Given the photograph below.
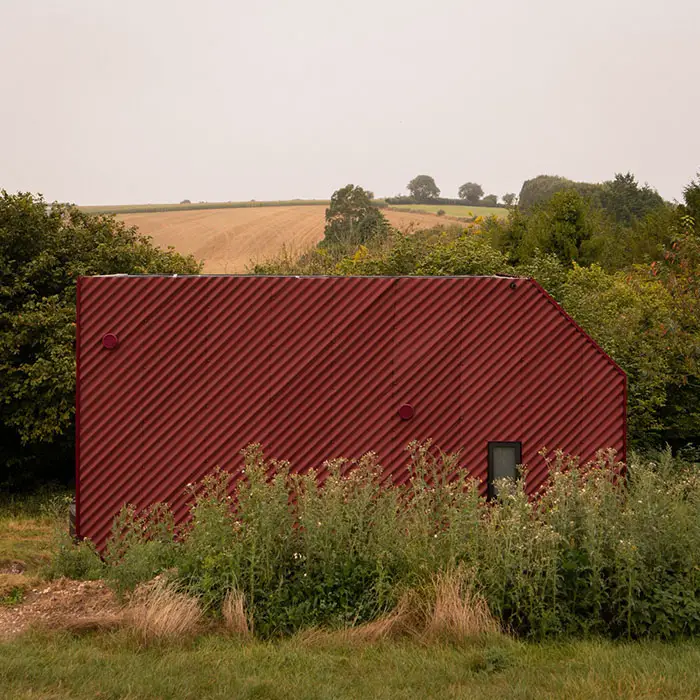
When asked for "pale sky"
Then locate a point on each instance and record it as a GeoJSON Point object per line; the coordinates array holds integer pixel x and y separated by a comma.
{"type": "Point", "coordinates": [126, 101]}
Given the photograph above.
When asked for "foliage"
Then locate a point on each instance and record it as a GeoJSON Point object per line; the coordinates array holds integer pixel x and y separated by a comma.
{"type": "Point", "coordinates": [490, 200]}
{"type": "Point", "coordinates": [621, 199]}
{"type": "Point", "coordinates": [560, 227]}
{"type": "Point", "coordinates": [471, 192]}
{"type": "Point", "coordinates": [77, 560]}
{"type": "Point", "coordinates": [574, 227]}
{"type": "Point", "coordinates": [43, 250]}
{"type": "Point", "coordinates": [691, 202]}
{"type": "Point", "coordinates": [679, 273]}
{"type": "Point", "coordinates": [540, 189]}
{"type": "Point", "coordinates": [592, 554]}
{"type": "Point", "coordinates": [509, 198]}
{"type": "Point", "coordinates": [626, 201]}
{"type": "Point", "coordinates": [352, 220]}
{"type": "Point", "coordinates": [451, 251]}
{"type": "Point", "coordinates": [423, 188]}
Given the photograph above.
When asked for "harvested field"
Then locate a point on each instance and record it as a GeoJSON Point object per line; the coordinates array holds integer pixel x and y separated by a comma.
{"type": "Point", "coordinates": [231, 240]}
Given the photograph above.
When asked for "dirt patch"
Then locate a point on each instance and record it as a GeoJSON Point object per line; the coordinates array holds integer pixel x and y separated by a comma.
{"type": "Point", "coordinates": [8, 566]}
{"type": "Point", "coordinates": [62, 604]}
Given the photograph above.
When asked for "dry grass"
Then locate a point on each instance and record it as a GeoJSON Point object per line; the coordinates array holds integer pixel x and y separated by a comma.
{"type": "Point", "coordinates": [446, 610]}
{"type": "Point", "coordinates": [159, 612]}
{"type": "Point", "coordinates": [400, 622]}
{"type": "Point", "coordinates": [456, 612]}
{"type": "Point", "coordinates": [236, 620]}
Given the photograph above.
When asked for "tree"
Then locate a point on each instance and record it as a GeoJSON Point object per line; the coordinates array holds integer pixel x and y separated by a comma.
{"type": "Point", "coordinates": [628, 314]}
{"type": "Point", "coordinates": [490, 200]}
{"type": "Point", "coordinates": [540, 189]}
{"type": "Point", "coordinates": [423, 187]}
{"type": "Point", "coordinates": [691, 201]}
{"type": "Point", "coordinates": [626, 201]}
{"type": "Point", "coordinates": [43, 249]}
{"type": "Point", "coordinates": [509, 199]}
{"type": "Point", "coordinates": [352, 220]}
{"type": "Point", "coordinates": [679, 272]}
{"type": "Point", "coordinates": [471, 192]}
{"type": "Point", "coordinates": [560, 227]}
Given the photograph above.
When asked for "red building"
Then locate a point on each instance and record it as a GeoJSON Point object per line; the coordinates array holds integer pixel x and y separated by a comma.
{"type": "Point", "coordinates": [177, 374]}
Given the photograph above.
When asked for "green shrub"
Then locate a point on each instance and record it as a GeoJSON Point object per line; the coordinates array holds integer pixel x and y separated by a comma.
{"type": "Point", "coordinates": [76, 560]}
{"type": "Point", "coordinates": [598, 551]}
{"type": "Point", "coordinates": [141, 546]}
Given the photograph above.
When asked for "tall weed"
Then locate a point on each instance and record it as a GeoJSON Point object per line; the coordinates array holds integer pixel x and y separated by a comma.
{"type": "Point", "coordinates": [598, 551]}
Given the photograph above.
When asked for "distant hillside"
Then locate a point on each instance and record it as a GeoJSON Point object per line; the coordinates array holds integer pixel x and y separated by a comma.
{"type": "Point", "coordinates": [227, 239]}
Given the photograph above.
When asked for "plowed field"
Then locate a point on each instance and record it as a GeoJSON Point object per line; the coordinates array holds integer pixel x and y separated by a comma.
{"type": "Point", "coordinates": [231, 240]}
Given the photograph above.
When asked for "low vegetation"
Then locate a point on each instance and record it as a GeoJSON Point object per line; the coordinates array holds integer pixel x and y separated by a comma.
{"type": "Point", "coordinates": [115, 666]}
{"type": "Point", "coordinates": [28, 534]}
{"type": "Point", "coordinates": [596, 553]}
{"type": "Point", "coordinates": [157, 611]}
{"type": "Point", "coordinates": [439, 640]}
{"type": "Point", "coordinates": [458, 211]}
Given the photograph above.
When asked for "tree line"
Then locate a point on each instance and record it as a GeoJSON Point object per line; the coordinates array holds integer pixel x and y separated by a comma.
{"type": "Point", "coordinates": [624, 263]}
{"type": "Point", "coordinates": [423, 190]}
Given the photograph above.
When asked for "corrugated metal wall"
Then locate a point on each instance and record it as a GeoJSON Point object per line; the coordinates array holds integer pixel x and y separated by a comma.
{"type": "Point", "coordinates": [315, 368]}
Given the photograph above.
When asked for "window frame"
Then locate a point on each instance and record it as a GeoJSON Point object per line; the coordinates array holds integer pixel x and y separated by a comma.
{"type": "Point", "coordinates": [519, 457]}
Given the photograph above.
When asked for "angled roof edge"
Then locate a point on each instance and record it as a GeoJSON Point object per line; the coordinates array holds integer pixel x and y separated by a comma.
{"type": "Point", "coordinates": [578, 328]}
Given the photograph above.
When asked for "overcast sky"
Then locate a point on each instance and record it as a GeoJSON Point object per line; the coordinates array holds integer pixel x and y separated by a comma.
{"type": "Point", "coordinates": [126, 101]}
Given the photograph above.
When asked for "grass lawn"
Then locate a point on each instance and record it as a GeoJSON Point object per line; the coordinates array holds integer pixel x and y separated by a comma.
{"type": "Point", "coordinates": [27, 527]}
{"type": "Point", "coordinates": [111, 665]}
{"type": "Point", "coordinates": [454, 210]}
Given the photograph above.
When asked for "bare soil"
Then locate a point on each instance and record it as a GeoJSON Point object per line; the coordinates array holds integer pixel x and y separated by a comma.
{"type": "Point", "coordinates": [62, 604]}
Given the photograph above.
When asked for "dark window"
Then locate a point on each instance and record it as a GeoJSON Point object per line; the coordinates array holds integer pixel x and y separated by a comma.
{"type": "Point", "coordinates": [504, 458]}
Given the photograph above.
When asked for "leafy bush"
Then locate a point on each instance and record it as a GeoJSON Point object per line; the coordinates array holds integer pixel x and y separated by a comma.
{"type": "Point", "coordinates": [76, 560]}
{"type": "Point", "coordinates": [141, 545]}
{"type": "Point", "coordinates": [599, 551]}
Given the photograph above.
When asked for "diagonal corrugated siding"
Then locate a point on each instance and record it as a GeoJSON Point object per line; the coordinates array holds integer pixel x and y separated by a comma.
{"type": "Point", "coordinates": [315, 368]}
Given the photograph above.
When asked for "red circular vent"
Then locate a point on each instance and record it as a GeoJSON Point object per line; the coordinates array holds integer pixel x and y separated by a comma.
{"type": "Point", "coordinates": [406, 411]}
{"type": "Point", "coordinates": [110, 341]}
